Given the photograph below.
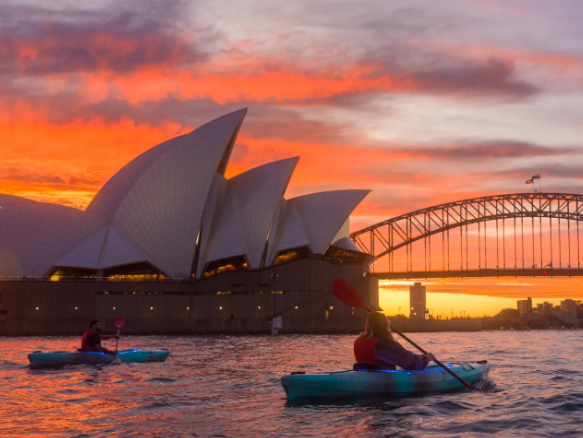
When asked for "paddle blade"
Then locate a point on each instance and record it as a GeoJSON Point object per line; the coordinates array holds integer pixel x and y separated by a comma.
{"type": "Point", "coordinates": [120, 321]}
{"type": "Point", "coordinates": [347, 294]}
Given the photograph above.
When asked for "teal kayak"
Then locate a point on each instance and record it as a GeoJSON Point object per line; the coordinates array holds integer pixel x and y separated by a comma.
{"type": "Point", "coordinates": [378, 382]}
{"type": "Point", "coordinates": [60, 358]}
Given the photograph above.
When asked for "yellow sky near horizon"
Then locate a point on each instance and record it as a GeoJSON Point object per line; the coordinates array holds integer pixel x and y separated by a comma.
{"type": "Point", "coordinates": [479, 297]}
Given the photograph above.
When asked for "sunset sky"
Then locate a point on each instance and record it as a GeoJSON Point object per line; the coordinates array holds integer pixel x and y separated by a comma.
{"type": "Point", "coordinates": [422, 102]}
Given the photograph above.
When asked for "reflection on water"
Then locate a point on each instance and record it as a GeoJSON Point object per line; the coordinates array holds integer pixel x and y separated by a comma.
{"type": "Point", "coordinates": [229, 386]}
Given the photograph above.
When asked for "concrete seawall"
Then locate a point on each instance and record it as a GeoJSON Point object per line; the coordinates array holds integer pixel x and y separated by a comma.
{"type": "Point", "coordinates": [236, 326]}
{"type": "Point", "coordinates": [67, 327]}
{"type": "Point", "coordinates": [229, 303]}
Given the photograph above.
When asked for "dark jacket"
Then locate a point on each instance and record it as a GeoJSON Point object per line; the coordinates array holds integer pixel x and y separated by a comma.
{"type": "Point", "coordinates": [391, 354]}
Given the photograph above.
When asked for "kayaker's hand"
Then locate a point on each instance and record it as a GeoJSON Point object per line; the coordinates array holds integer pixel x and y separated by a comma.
{"type": "Point", "coordinates": [430, 356]}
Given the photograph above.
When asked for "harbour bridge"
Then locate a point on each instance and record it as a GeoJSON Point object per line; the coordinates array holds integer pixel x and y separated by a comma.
{"type": "Point", "coordinates": [514, 235]}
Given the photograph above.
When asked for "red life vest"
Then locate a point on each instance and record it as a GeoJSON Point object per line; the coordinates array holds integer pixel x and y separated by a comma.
{"type": "Point", "coordinates": [84, 345]}
{"type": "Point", "coordinates": [364, 350]}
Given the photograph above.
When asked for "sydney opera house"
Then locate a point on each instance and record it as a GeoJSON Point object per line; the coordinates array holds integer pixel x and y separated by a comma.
{"type": "Point", "coordinates": [176, 247]}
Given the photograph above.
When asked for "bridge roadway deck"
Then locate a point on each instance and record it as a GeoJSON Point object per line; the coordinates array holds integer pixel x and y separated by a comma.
{"type": "Point", "coordinates": [479, 273]}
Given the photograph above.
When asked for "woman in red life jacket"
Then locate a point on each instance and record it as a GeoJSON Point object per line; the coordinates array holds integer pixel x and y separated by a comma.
{"type": "Point", "coordinates": [91, 340]}
{"type": "Point", "coordinates": [376, 345]}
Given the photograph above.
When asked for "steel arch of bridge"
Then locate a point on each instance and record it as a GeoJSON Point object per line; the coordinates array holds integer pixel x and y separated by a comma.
{"type": "Point", "coordinates": [384, 238]}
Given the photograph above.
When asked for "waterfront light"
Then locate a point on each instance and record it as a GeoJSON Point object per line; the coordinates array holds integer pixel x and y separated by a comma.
{"type": "Point", "coordinates": [220, 307]}
{"type": "Point", "coordinates": [37, 308]}
{"type": "Point", "coordinates": [297, 307]}
{"type": "Point", "coordinates": [259, 307]}
{"type": "Point", "coordinates": [114, 308]}
{"type": "Point", "coordinates": [151, 308]}
{"type": "Point", "coordinates": [75, 308]}
{"type": "Point", "coordinates": [188, 308]}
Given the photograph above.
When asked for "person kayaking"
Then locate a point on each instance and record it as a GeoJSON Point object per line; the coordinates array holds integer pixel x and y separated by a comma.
{"type": "Point", "coordinates": [91, 340]}
{"type": "Point", "coordinates": [376, 345]}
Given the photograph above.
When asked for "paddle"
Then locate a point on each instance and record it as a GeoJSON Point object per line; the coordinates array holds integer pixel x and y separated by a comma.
{"type": "Point", "coordinates": [349, 295]}
{"type": "Point", "coordinates": [119, 322]}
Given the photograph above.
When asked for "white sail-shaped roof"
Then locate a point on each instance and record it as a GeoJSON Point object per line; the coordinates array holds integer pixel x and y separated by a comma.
{"type": "Point", "coordinates": [210, 136]}
{"type": "Point", "coordinates": [346, 243]}
{"type": "Point", "coordinates": [343, 231]}
{"type": "Point", "coordinates": [251, 206]}
{"type": "Point", "coordinates": [163, 209]}
{"type": "Point", "coordinates": [291, 233]}
{"type": "Point", "coordinates": [319, 216]}
{"type": "Point", "coordinates": [104, 249]}
{"type": "Point", "coordinates": [156, 202]}
{"type": "Point", "coordinates": [226, 238]}
{"type": "Point", "coordinates": [10, 266]}
{"type": "Point", "coordinates": [34, 234]}
{"type": "Point", "coordinates": [210, 215]}
{"type": "Point", "coordinates": [117, 251]}
{"type": "Point", "coordinates": [86, 254]}
{"type": "Point", "coordinates": [276, 228]}
{"type": "Point", "coordinates": [172, 208]}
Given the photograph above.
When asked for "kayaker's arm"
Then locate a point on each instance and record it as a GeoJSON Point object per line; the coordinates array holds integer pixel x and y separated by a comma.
{"type": "Point", "coordinates": [95, 342]}
{"type": "Point", "coordinates": [106, 337]}
{"type": "Point", "coordinates": [101, 348]}
{"type": "Point", "coordinates": [390, 352]}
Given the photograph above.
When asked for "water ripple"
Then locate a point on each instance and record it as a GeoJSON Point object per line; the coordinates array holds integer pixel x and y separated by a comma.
{"type": "Point", "coordinates": [229, 386]}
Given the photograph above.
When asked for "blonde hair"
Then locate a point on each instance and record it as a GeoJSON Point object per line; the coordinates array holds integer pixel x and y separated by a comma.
{"type": "Point", "coordinates": [377, 326]}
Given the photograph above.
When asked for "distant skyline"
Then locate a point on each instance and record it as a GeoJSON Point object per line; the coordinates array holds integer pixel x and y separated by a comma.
{"type": "Point", "coordinates": [422, 102]}
{"type": "Point", "coordinates": [479, 296]}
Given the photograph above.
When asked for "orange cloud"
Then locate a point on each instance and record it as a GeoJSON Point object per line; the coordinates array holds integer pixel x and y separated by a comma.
{"type": "Point", "coordinates": [69, 162]}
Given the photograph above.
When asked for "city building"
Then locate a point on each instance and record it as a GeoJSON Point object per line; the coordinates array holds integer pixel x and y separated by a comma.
{"type": "Point", "coordinates": [524, 307]}
{"type": "Point", "coordinates": [544, 307]}
{"type": "Point", "coordinates": [417, 301]}
{"type": "Point", "coordinates": [170, 224]}
{"type": "Point", "coordinates": [569, 311]}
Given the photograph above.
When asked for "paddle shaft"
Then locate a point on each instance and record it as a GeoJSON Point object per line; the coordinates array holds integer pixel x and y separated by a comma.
{"type": "Point", "coordinates": [462, 381]}
{"type": "Point", "coordinates": [116, 343]}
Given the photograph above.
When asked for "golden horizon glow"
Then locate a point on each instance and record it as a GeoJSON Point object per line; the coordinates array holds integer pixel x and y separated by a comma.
{"type": "Point", "coordinates": [480, 297]}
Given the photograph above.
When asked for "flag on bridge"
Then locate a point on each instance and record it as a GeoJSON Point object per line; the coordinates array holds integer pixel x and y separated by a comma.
{"type": "Point", "coordinates": [530, 181]}
{"type": "Point", "coordinates": [535, 177]}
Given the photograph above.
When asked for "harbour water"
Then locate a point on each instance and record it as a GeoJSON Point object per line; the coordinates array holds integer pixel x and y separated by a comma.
{"type": "Point", "coordinates": [223, 386]}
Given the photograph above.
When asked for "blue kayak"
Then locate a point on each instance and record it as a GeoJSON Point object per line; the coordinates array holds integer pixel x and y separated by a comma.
{"type": "Point", "coordinates": [379, 382]}
{"type": "Point", "coordinates": [60, 358]}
